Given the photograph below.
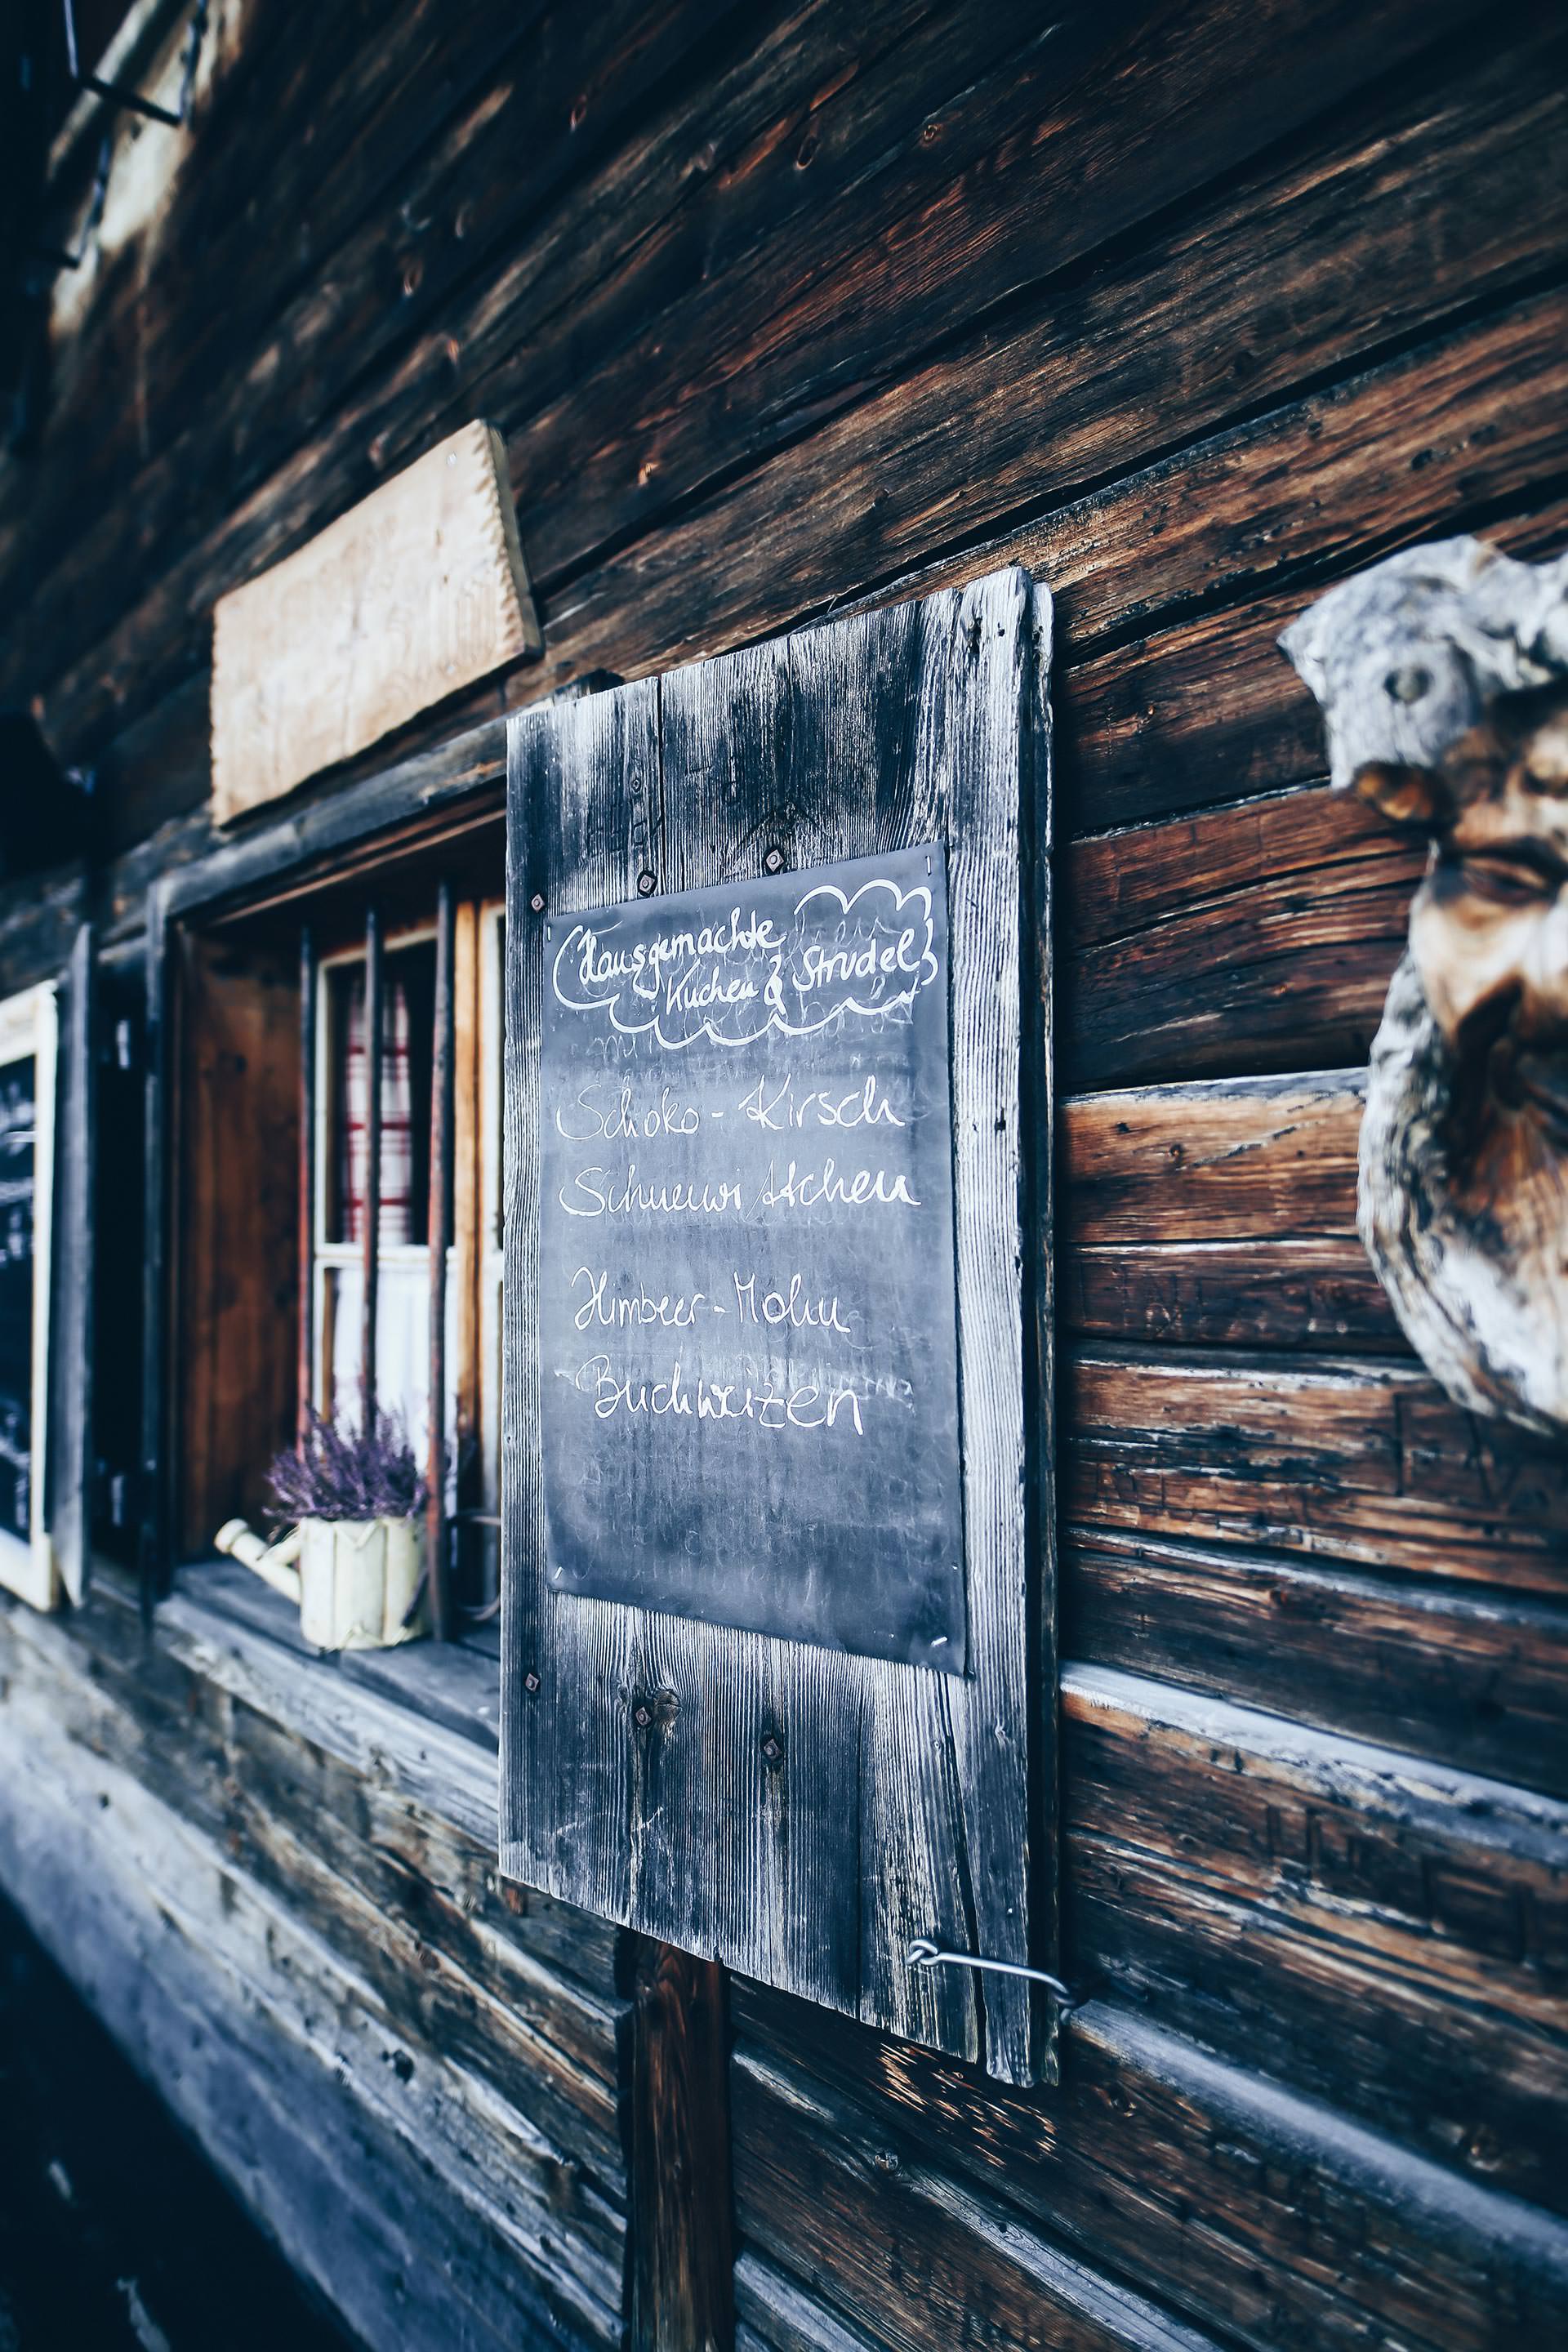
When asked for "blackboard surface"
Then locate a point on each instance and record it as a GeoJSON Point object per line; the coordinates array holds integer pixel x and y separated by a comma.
{"type": "Point", "coordinates": [748, 1312]}
{"type": "Point", "coordinates": [17, 1168]}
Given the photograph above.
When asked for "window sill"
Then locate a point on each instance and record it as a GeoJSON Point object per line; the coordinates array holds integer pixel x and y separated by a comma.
{"type": "Point", "coordinates": [424, 1717]}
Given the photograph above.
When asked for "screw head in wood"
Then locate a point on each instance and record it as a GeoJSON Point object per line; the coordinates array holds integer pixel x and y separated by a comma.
{"type": "Point", "coordinates": [530, 1681]}
{"type": "Point", "coordinates": [648, 883]}
{"type": "Point", "coordinates": [537, 902]}
{"type": "Point", "coordinates": [772, 861]}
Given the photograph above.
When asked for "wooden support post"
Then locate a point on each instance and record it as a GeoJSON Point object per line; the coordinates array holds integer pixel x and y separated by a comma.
{"type": "Point", "coordinates": [306, 1356]}
{"type": "Point", "coordinates": [680, 2252]}
{"type": "Point", "coordinates": [441, 1164]}
{"type": "Point", "coordinates": [372, 1236]}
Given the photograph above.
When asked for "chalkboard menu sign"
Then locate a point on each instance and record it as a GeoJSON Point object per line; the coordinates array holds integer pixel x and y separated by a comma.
{"type": "Point", "coordinates": [777, 1643]}
{"type": "Point", "coordinates": [27, 1071]}
{"type": "Point", "coordinates": [747, 1309]}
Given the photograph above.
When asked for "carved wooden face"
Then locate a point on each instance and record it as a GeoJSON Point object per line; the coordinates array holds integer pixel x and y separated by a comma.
{"type": "Point", "coordinates": [1441, 672]}
{"type": "Point", "coordinates": [1488, 927]}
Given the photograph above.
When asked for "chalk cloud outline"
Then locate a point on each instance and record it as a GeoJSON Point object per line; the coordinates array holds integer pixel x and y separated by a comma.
{"type": "Point", "coordinates": [775, 1023]}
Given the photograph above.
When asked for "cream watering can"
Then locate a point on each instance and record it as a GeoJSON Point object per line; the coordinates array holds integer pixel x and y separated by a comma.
{"type": "Point", "coordinates": [355, 1580]}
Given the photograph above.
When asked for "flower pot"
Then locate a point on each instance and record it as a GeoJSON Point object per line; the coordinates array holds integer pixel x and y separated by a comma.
{"type": "Point", "coordinates": [354, 1580]}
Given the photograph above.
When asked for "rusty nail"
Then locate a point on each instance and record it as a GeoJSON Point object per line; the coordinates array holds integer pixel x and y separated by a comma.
{"type": "Point", "coordinates": [642, 1714]}
{"type": "Point", "coordinates": [772, 1747]}
{"type": "Point", "coordinates": [537, 902]}
{"type": "Point", "coordinates": [648, 883]}
{"type": "Point", "coordinates": [530, 1681]}
{"type": "Point", "coordinates": [772, 861]}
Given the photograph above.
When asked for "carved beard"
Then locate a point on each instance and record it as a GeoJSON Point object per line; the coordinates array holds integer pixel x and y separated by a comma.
{"type": "Point", "coordinates": [1463, 1208]}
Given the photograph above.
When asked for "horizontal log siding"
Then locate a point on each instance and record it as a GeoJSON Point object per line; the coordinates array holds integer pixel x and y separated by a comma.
{"type": "Point", "coordinates": [1192, 310]}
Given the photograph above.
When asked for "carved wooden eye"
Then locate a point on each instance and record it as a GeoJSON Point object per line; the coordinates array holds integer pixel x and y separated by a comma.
{"type": "Point", "coordinates": [1408, 685]}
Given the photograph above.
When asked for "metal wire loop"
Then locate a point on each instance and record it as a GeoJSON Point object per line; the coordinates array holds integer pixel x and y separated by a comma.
{"type": "Point", "coordinates": [923, 1954]}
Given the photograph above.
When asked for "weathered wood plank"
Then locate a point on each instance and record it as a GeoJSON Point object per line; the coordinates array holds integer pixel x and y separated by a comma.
{"type": "Point", "coordinates": [351, 2141]}
{"type": "Point", "coordinates": [1220, 1213]}
{"type": "Point", "coordinates": [1077, 383]}
{"type": "Point", "coordinates": [553, 193]}
{"type": "Point", "coordinates": [417, 591]}
{"type": "Point", "coordinates": [192, 289]}
{"type": "Point", "coordinates": [1200, 713]}
{"type": "Point", "coordinates": [1360, 1460]}
{"type": "Point", "coordinates": [895, 1811]}
{"type": "Point", "coordinates": [1384, 1932]}
{"type": "Point", "coordinates": [682, 2295]}
{"type": "Point", "coordinates": [777, 2316]}
{"type": "Point", "coordinates": [1247, 1160]}
{"type": "Point", "coordinates": [1017, 393]}
{"type": "Point", "coordinates": [1262, 2214]}
{"type": "Point", "coordinates": [1476, 1679]}
{"type": "Point", "coordinates": [1277, 959]}
{"type": "Point", "coordinates": [898, 2249]}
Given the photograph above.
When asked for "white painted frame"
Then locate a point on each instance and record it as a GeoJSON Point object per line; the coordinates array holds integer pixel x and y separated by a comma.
{"type": "Point", "coordinates": [328, 1257]}
{"type": "Point", "coordinates": [30, 1030]}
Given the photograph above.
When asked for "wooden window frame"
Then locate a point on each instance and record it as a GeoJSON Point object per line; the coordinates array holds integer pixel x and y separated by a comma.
{"type": "Point", "coordinates": [30, 1030]}
{"type": "Point", "coordinates": [439, 800]}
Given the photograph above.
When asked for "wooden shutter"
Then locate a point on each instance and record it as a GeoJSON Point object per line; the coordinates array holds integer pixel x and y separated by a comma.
{"type": "Point", "coordinates": [800, 1813]}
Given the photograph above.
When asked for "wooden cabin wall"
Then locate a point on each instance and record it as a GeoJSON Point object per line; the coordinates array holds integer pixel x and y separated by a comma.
{"type": "Point", "coordinates": [1193, 309]}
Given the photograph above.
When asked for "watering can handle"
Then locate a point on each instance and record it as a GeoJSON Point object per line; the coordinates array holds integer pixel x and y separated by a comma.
{"type": "Point", "coordinates": [272, 1562]}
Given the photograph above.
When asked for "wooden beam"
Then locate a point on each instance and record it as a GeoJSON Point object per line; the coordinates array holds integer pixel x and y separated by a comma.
{"type": "Point", "coordinates": [440, 1224]}
{"type": "Point", "coordinates": [307, 1182]}
{"type": "Point", "coordinates": [371, 1236]}
{"type": "Point", "coordinates": [680, 2255]}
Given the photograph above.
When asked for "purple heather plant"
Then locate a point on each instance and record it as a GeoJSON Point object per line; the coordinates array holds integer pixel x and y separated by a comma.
{"type": "Point", "coordinates": [343, 1473]}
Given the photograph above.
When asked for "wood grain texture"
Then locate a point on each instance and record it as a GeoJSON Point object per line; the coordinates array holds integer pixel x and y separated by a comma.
{"type": "Point", "coordinates": [778, 311]}
{"type": "Point", "coordinates": [1256, 2212]}
{"type": "Point", "coordinates": [356, 2095]}
{"type": "Point", "coordinates": [1361, 1460]}
{"type": "Point", "coordinates": [923, 722]}
{"type": "Point", "coordinates": [1474, 1678]}
{"type": "Point", "coordinates": [414, 593]}
{"type": "Point", "coordinates": [805, 532]}
{"type": "Point", "coordinates": [1219, 1214]}
{"type": "Point", "coordinates": [676, 2037]}
{"type": "Point", "coordinates": [1388, 1932]}
{"type": "Point", "coordinates": [235, 1235]}
{"type": "Point", "coordinates": [1280, 961]}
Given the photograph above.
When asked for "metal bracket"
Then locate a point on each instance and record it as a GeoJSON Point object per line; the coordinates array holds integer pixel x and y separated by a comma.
{"type": "Point", "coordinates": [923, 1954]}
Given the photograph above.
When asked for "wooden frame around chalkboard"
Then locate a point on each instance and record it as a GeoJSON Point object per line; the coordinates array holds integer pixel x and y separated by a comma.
{"type": "Point", "coordinates": [29, 1031]}
{"type": "Point", "coordinates": [799, 1813]}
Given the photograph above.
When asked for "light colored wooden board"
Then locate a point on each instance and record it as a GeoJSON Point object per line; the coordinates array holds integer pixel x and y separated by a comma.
{"type": "Point", "coordinates": [417, 591]}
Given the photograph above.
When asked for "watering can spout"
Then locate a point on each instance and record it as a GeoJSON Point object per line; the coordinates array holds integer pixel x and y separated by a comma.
{"type": "Point", "coordinates": [272, 1562]}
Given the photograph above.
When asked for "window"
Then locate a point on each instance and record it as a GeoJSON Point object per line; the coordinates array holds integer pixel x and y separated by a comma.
{"type": "Point", "coordinates": [342, 1187]}
{"type": "Point", "coordinates": [296, 1239]}
{"type": "Point", "coordinates": [28, 1035]}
